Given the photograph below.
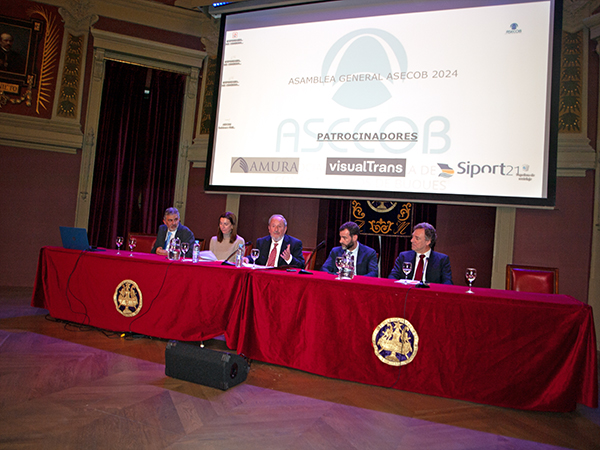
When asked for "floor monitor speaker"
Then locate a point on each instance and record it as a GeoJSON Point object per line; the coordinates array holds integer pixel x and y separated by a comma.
{"type": "Point", "coordinates": [201, 365]}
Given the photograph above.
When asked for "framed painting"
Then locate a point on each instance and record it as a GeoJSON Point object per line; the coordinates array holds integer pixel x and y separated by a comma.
{"type": "Point", "coordinates": [19, 42]}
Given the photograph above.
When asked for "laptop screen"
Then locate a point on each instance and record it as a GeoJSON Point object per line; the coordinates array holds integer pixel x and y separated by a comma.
{"type": "Point", "coordinates": [74, 238]}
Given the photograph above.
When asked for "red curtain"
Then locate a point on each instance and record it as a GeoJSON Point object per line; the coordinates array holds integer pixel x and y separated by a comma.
{"type": "Point", "coordinates": [136, 151]}
{"type": "Point", "coordinates": [338, 211]}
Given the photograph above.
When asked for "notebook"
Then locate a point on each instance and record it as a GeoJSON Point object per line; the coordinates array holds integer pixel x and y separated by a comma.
{"type": "Point", "coordinates": [75, 238]}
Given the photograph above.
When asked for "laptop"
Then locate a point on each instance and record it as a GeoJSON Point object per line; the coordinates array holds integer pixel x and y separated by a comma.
{"type": "Point", "coordinates": [75, 238]}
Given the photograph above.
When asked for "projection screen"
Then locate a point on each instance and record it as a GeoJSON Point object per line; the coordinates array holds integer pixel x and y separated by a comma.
{"type": "Point", "coordinates": [433, 101]}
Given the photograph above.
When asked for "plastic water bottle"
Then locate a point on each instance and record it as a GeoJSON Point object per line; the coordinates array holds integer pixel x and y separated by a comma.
{"type": "Point", "coordinates": [196, 252]}
{"type": "Point", "coordinates": [351, 271]}
{"type": "Point", "coordinates": [239, 256]}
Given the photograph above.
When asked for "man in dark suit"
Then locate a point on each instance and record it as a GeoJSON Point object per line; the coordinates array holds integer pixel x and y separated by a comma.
{"type": "Point", "coordinates": [435, 267]}
{"type": "Point", "coordinates": [365, 257]}
{"type": "Point", "coordinates": [172, 228]}
{"type": "Point", "coordinates": [279, 249]}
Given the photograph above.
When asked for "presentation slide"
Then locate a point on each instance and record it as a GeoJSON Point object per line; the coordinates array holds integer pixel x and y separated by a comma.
{"type": "Point", "coordinates": [386, 102]}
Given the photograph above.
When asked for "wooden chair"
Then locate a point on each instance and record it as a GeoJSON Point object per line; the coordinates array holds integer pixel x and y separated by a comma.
{"type": "Point", "coordinates": [543, 280]}
{"type": "Point", "coordinates": [145, 242]}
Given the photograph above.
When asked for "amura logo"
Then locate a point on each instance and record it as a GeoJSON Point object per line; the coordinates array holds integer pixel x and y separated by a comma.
{"type": "Point", "coordinates": [447, 171]}
{"type": "Point", "coordinates": [363, 52]}
{"type": "Point", "coordinates": [265, 165]}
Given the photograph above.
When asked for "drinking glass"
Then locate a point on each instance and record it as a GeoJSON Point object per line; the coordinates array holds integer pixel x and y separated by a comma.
{"type": "Point", "coordinates": [185, 246]}
{"type": "Point", "coordinates": [132, 244]}
{"type": "Point", "coordinates": [406, 268]}
{"type": "Point", "coordinates": [471, 274]}
{"type": "Point", "coordinates": [255, 253]}
{"type": "Point", "coordinates": [339, 263]}
{"type": "Point", "coordinates": [119, 243]}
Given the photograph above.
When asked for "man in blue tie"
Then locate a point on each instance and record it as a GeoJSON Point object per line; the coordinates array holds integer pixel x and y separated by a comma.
{"type": "Point", "coordinates": [170, 229]}
{"type": "Point", "coordinates": [427, 266]}
{"type": "Point", "coordinates": [365, 257]}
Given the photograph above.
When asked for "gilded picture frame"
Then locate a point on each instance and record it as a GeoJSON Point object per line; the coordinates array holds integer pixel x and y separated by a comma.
{"type": "Point", "coordinates": [19, 41]}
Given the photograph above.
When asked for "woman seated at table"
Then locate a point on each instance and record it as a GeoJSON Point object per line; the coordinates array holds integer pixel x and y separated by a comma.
{"type": "Point", "coordinates": [226, 242]}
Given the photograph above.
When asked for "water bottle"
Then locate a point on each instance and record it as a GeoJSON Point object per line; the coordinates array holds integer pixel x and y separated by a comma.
{"type": "Point", "coordinates": [348, 270]}
{"type": "Point", "coordinates": [196, 251]}
{"type": "Point", "coordinates": [351, 266]}
{"type": "Point", "coordinates": [239, 256]}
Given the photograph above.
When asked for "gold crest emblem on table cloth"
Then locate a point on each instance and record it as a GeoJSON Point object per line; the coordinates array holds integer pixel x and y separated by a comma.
{"type": "Point", "coordinates": [128, 298]}
{"type": "Point", "coordinates": [395, 341]}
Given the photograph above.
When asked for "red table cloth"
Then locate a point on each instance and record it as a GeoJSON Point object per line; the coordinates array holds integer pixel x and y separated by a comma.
{"type": "Point", "coordinates": [180, 300]}
{"type": "Point", "coordinates": [504, 348]}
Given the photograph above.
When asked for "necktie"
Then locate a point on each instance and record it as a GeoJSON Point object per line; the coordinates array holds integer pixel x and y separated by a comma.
{"type": "Point", "coordinates": [272, 256]}
{"type": "Point", "coordinates": [169, 233]}
{"type": "Point", "coordinates": [419, 272]}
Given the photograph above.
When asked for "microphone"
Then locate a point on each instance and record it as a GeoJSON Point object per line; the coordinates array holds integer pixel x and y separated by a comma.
{"type": "Point", "coordinates": [319, 246]}
{"type": "Point", "coordinates": [226, 262]}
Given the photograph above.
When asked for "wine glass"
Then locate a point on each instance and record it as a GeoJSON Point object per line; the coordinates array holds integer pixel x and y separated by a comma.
{"type": "Point", "coordinates": [339, 263]}
{"type": "Point", "coordinates": [132, 244]}
{"type": "Point", "coordinates": [185, 246]}
{"type": "Point", "coordinates": [119, 243]}
{"type": "Point", "coordinates": [471, 274]}
{"type": "Point", "coordinates": [254, 253]}
{"type": "Point", "coordinates": [406, 268]}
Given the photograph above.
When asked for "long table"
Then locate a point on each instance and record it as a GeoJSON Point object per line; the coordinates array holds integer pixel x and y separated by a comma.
{"type": "Point", "coordinates": [504, 348]}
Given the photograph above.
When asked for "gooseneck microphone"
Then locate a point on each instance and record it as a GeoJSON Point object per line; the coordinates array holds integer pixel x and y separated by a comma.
{"type": "Point", "coordinates": [226, 262]}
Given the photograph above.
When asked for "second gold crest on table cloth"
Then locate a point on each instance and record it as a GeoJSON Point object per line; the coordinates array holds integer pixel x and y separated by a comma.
{"type": "Point", "coordinates": [395, 341]}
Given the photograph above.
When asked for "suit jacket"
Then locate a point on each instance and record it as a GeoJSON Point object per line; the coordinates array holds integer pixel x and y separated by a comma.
{"type": "Point", "coordinates": [366, 264]}
{"type": "Point", "coordinates": [183, 233]}
{"type": "Point", "coordinates": [264, 245]}
{"type": "Point", "coordinates": [438, 267]}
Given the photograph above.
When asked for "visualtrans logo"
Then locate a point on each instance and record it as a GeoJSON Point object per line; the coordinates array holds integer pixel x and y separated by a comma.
{"type": "Point", "coordinates": [363, 53]}
{"type": "Point", "coordinates": [265, 165]}
{"type": "Point", "coordinates": [373, 167]}
{"type": "Point", "coordinates": [472, 170]}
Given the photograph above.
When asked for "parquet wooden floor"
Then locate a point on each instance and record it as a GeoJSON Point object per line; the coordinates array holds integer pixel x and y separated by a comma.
{"type": "Point", "coordinates": [66, 388]}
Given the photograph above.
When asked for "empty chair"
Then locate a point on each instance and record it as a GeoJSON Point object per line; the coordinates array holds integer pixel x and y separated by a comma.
{"type": "Point", "coordinates": [543, 280]}
{"type": "Point", "coordinates": [144, 242]}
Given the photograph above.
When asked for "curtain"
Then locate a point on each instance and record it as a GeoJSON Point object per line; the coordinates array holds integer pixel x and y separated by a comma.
{"type": "Point", "coordinates": [136, 152]}
{"type": "Point", "coordinates": [338, 212]}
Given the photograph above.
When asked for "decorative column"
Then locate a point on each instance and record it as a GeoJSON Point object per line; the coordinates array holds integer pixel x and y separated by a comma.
{"type": "Point", "coordinates": [593, 25]}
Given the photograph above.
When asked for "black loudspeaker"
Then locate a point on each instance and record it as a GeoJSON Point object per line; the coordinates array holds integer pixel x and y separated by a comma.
{"type": "Point", "coordinates": [204, 366]}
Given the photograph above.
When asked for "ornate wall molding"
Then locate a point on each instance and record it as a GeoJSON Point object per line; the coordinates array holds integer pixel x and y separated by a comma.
{"type": "Point", "coordinates": [575, 12]}
{"type": "Point", "coordinates": [40, 134]}
{"type": "Point", "coordinates": [145, 49]}
{"type": "Point", "coordinates": [141, 12]}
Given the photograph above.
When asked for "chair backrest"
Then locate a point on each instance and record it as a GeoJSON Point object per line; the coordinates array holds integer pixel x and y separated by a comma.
{"type": "Point", "coordinates": [145, 242]}
{"type": "Point", "coordinates": [532, 279]}
{"type": "Point", "coordinates": [248, 249]}
{"type": "Point", "coordinates": [310, 258]}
